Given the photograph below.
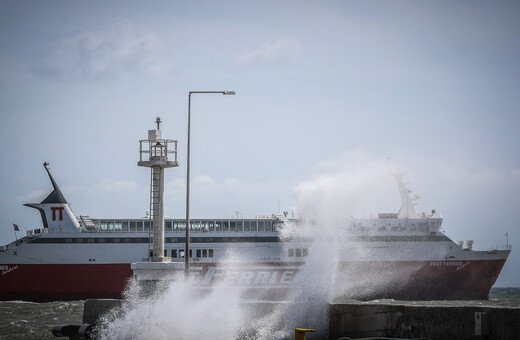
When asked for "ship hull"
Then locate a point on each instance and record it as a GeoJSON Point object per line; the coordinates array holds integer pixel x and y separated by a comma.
{"type": "Point", "coordinates": [405, 280]}
{"type": "Point", "coordinates": [430, 280]}
{"type": "Point", "coordinates": [52, 282]}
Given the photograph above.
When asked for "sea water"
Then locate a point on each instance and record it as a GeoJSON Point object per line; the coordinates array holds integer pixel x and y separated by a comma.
{"type": "Point", "coordinates": [28, 320]}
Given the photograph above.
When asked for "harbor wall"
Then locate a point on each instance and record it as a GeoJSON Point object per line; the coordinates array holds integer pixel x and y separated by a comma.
{"type": "Point", "coordinates": [355, 319]}
{"type": "Point", "coordinates": [360, 320]}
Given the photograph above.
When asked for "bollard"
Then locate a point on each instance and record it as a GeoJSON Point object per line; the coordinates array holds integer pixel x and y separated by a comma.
{"type": "Point", "coordinates": [65, 330]}
{"type": "Point", "coordinates": [299, 333]}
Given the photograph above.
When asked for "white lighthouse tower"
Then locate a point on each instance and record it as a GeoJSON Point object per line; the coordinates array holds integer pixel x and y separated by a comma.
{"type": "Point", "coordinates": [154, 153]}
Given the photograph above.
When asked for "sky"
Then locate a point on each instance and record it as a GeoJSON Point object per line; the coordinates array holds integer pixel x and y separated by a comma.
{"type": "Point", "coordinates": [328, 92]}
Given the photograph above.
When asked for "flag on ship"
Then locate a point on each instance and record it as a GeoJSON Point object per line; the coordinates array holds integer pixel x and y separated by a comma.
{"type": "Point", "coordinates": [15, 226]}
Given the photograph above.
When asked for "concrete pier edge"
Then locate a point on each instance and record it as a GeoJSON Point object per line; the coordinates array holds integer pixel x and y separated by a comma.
{"type": "Point", "coordinates": [396, 319]}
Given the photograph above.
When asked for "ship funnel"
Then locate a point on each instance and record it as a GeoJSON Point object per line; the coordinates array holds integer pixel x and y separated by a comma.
{"type": "Point", "coordinates": [55, 196]}
{"type": "Point", "coordinates": [57, 216]}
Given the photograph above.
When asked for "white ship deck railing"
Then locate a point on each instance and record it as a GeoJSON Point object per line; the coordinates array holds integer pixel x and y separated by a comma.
{"type": "Point", "coordinates": [499, 247]}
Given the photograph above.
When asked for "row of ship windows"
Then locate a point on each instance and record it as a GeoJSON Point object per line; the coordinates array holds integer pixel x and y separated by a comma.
{"type": "Point", "coordinates": [179, 253]}
{"type": "Point", "coordinates": [202, 226]}
{"type": "Point", "coordinates": [383, 228]}
{"type": "Point", "coordinates": [246, 239]}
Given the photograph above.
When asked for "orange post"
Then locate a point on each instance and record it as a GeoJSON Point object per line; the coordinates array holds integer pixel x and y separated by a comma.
{"type": "Point", "coordinates": [299, 333]}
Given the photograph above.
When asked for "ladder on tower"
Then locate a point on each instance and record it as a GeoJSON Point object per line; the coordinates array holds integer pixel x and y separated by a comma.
{"type": "Point", "coordinates": [155, 196]}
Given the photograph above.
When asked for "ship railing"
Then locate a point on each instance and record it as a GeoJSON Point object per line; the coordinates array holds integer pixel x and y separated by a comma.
{"type": "Point", "coordinates": [36, 232]}
{"type": "Point", "coordinates": [499, 247]}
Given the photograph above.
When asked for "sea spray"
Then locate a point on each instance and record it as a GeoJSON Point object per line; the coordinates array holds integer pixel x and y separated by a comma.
{"type": "Point", "coordinates": [181, 310]}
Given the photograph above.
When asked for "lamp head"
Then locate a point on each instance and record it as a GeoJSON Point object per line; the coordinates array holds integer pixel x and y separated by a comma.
{"type": "Point", "coordinates": [229, 93]}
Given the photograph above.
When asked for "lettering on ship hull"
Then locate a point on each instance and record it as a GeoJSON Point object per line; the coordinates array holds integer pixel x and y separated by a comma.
{"type": "Point", "coordinates": [458, 264]}
{"type": "Point", "coordinates": [251, 276]}
{"type": "Point", "coordinates": [7, 269]}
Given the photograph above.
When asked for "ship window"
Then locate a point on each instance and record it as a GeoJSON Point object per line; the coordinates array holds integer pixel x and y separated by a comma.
{"type": "Point", "coordinates": [247, 225]}
{"type": "Point", "coordinates": [225, 226]}
{"type": "Point", "coordinates": [90, 240]}
{"type": "Point", "coordinates": [79, 240]}
{"type": "Point", "coordinates": [168, 225]}
{"type": "Point", "coordinates": [181, 225]}
{"type": "Point", "coordinates": [198, 253]}
{"type": "Point", "coordinates": [181, 253]}
{"type": "Point", "coordinates": [124, 226]}
{"type": "Point", "coordinates": [268, 225]}
{"type": "Point", "coordinates": [191, 253]}
{"type": "Point", "coordinates": [127, 240]}
{"type": "Point", "coordinates": [174, 253]}
{"type": "Point", "coordinates": [68, 240]}
{"type": "Point", "coordinates": [204, 253]}
{"type": "Point", "coordinates": [253, 225]}
{"type": "Point", "coordinates": [103, 226]}
{"type": "Point", "coordinates": [298, 253]}
{"type": "Point", "coordinates": [117, 226]}
{"type": "Point", "coordinates": [261, 225]}
{"type": "Point", "coordinates": [133, 226]}
{"type": "Point", "coordinates": [210, 251]}
{"type": "Point", "coordinates": [165, 253]}
{"type": "Point", "coordinates": [101, 240]}
{"type": "Point", "coordinates": [195, 225]}
{"type": "Point", "coordinates": [147, 225]}
{"type": "Point", "coordinates": [115, 240]}
{"type": "Point", "coordinates": [211, 226]}
{"type": "Point", "coordinates": [233, 226]}
{"type": "Point", "coordinates": [291, 252]}
{"type": "Point", "coordinates": [305, 252]}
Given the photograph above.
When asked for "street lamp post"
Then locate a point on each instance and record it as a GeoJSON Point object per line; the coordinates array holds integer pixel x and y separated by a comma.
{"type": "Point", "coordinates": [187, 248]}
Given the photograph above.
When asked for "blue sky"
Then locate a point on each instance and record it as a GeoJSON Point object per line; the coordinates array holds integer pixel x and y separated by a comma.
{"type": "Point", "coordinates": [328, 89]}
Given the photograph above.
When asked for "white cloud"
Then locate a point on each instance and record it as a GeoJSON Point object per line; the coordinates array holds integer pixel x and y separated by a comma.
{"type": "Point", "coordinates": [206, 185]}
{"type": "Point", "coordinates": [106, 54]}
{"type": "Point", "coordinates": [35, 196]}
{"type": "Point", "coordinates": [112, 186]}
{"type": "Point", "coordinates": [280, 50]}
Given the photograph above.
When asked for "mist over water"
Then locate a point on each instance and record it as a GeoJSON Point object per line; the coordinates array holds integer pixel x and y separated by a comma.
{"type": "Point", "coordinates": [180, 310]}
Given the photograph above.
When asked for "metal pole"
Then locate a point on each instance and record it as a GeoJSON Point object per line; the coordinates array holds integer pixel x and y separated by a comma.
{"type": "Point", "coordinates": [187, 247]}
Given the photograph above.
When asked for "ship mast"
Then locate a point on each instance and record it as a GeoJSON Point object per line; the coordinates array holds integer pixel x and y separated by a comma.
{"type": "Point", "coordinates": [408, 206]}
{"type": "Point", "coordinates": [157, 150]}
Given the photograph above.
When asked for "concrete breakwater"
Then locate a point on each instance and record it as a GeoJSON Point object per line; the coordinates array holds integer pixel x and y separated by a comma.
{"type": "Point", "coordinates": [433, 320]}
{"type": "Point", "coordinates": [388, 318]}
